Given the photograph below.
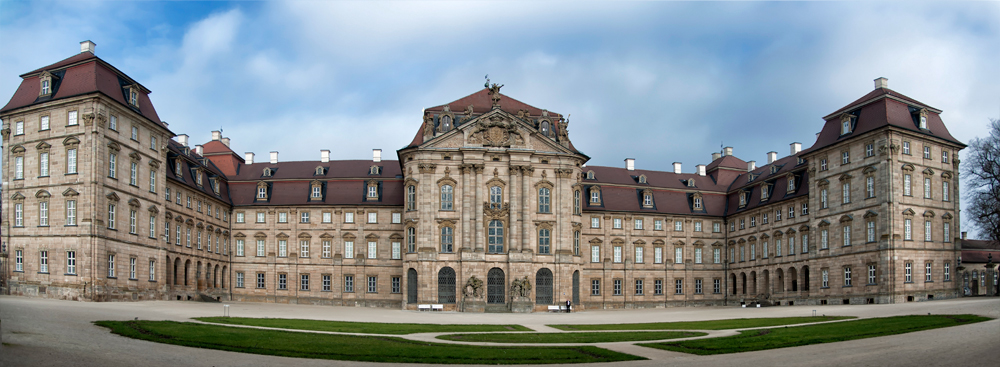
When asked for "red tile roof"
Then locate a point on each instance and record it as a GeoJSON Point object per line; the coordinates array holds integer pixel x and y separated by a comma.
{"type": "Point", "coordinates": [223, 157]}
{"type": "Point", "coordinates": [189, 161]}
{"type": "Point", "coordinates": [482, 103]}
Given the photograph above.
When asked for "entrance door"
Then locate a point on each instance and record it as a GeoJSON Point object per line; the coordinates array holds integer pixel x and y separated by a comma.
{"type": "Point", "coordinates": [411, 286]}
{"type": "Point", "coordinates": [495, 286]}
{"type": "Point", "coordinates": [576, 287]}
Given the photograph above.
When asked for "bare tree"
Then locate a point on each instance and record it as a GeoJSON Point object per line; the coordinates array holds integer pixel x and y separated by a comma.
{"type": "Point", "coordinates": [982, 174]}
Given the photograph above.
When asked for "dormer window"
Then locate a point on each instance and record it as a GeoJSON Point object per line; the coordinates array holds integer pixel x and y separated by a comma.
{"type": "Point", "coordinates": [374, 170]}
{"type": "Point", "coordinates": [46, 80]}
{"type": "Point", "coordinates": [268, 172]}
{"type": "Point", "coordinates": [445, 123]}
{"type": "Point", "coordinates": [590, 175]}
{"type": "Point", "coordinates": [198, 175]}
{"type": "Point", "coordinates": [642, 179]}
{"type": "Point", "coordinates": [791, 183]}
{"type": "Point", "coordinates": [923, 119]}
{"type": "Point", "coordinates": [316, 191]}
{"type": "Point", "coordinates": [261, 191]}
{"type": "Point", "coordinates": [177, 168]}
{"type": "Point", "coordinates": [763, 192]}
{"type": "Point", "coordinates": [647, 200]}
{"type": "Point", "coordinates": [774, 169]}
{"type": "Point", "coordinates": [690, 182]}
{"type": "Point", "coordinates": [215, 185]}
{"type": "Point", "coordinates": [595, 196]}
{"type": "Point", "coordinates": [372, 191]}
{"type": "Point", "coordinates": [845, 124]}
{"type": "Point", "coordinates": [133, 97]}
{"type": "Point", "coordinates": [545, 128]}
{"type": "Point", "coordinates": [46, 89]}
{"type": "Point", "coordinates": [320, 171]}
{"type": "Point", "coordinates": [750, 177]}
{"type": "Point", "coordinates": [743, 198]}
{"type": "Point", "coordinates": [697, 202]}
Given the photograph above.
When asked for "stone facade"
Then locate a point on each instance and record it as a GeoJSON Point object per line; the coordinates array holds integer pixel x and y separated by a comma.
{"type": "Point", "coordinates": [490, 208]}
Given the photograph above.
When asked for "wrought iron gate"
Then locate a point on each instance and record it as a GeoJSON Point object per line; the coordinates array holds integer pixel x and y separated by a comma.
{"type": "Point", "coordinates": [495, 286]}
{"type": "Point", "coordinates": [446, 285]}
{"type": "Point", "coordinates": [411, 286]}
{"type": "Point", "coordinates": [543, 287]}
{"type": "Point", "coordinates": [576, 287]}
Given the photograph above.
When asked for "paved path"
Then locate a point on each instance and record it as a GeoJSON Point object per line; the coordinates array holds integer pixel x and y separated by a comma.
{"type": "Point", "coordinates": [48, 332]}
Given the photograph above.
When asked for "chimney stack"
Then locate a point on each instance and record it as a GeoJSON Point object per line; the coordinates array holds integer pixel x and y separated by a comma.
{"type": "Point", "coordinates": [216, 135]}
{"type": "Point", "coordinates": [796, 148]}
{"type": "Point", "coordinates": [87, 46]}
{"type": "Point", "coordinates": [751, 165]}
{"type": "Point", "coordinates": [964, 235]}
{"type": "Point", "coordinates": [225, 141]}
{"type": "Point", "coordinates": [881, 83]}
{"type": "Point", "coordinates": [324, 156]}
{"type": "Point", "coordinates": [274, 157]}
{"type": "Point", "coordinates": [199, 149]}
{"type": "Point", "coordinates": [376, 155]}
{"type": "Point", "coordinates": [630, 164]}
{"type": "Point", "coordinates": [183, 139]}
{"type": "Point", "coordinates": [716, 155]}
{"type": "Point", "coordinates": [727, 151]}
{"type": "Point", "coordinates": [771, 157]}
{"type": "Point", "coordinates": [248, 158]}
{"type": "Point", "coordinates": [677, 167]}
{"type": "Point", "coordinates": [701, 169]}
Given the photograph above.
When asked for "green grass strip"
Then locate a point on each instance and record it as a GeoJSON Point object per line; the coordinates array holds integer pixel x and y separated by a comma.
{"type": "Point", "coordinates": [359, 327]}
{"type": "Point", "coordinates": [705, 325]}
{"type": "Point", "coordinates": [585, 337]}
{"type": "Point", "coordinates": [350, 347]}
{"type": "Point", "coordinates": [752, 340]}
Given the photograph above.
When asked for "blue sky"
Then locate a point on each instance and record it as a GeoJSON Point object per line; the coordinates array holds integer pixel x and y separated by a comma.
{"type": "Point", "coordinates": [656, 81]}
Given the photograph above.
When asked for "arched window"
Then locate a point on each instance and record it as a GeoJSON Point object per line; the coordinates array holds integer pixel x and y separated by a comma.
{"type": "Point", "coordinates": [495, 286]}
{"type": "Point", "coordinates": [590, 175]}
{"type": "Point", "coordinates": [543, 287]}
{"type": "Point", "coordinates": [496, 196]}
{"type": "Point", "coordinates": [447, 197]}
{"type": "Point", "coordinates": [411, 197]}
{"type": "Point", "coordinates": [445, 123]}
{"type": "Point", "coordinates": [446, 285]}
{"type": "Point", "coordinates": [496, 237]}
{"type": "Point", "coordinates": [411, 286]}
{"type": "Point", "coordinates": [543, 200]}
{"type": "Point", "coordinates": [411, 239]}
{"type": "Point", "coordinates": [447, 239]}
{"type": "Point", "coordinates": [544, 129]}
{"type": "Point", "coordinates": [544, 241]}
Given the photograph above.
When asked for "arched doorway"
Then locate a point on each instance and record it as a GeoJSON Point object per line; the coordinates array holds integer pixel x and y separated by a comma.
{"type": "Point", "coordinates": [794, 277]}
{"type": "Point", "coordinates": [223, 277]}
{"type": "Point", "coordinates": [411, 286]}
{"type": "Point", "coordinates": [805, 278]}
{"type": "Point", "coordinates": [576, 287]}
{"type": "Point", "coordinates": [732, 280]}
{"type": "Point", "coordinates": [187, 271]}
{"type": "Point", "coordinates": [753, 283]}
{"type": "Point", "coordinates": [169, 273]}
{"type": "Point", "coordinates": [767, 282]}
{"type": "Point", "coordinates": [446, 285]}
{"type": "Point", "coordinates": [743, 283]}
{"type": "Point", "coordinates": [495, 286]}
{"type": "Point", "coordinates": [779, 280]}
{"type": "Point", "coordinates": [543, 287]}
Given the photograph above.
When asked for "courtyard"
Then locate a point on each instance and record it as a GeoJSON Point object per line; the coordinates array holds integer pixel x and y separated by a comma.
{"type": "Point", "coordinates": [51, 332]}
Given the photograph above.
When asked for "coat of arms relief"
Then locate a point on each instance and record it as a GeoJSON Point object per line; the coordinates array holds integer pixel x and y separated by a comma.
{"type": "Point", "coordinates": [496, 132]}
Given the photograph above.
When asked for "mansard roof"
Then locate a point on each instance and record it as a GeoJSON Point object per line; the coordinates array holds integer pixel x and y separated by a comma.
{"type": "Point", "coordinates": [482, 103]}
{"type": "Point", "coordinates": [81, 74]}
{"type": "Point", "coordinates": [881, 108]}
{"type": "Point", "coordinates": [190, 162]}
{"type": "Point", "coordinates": [301, 170]}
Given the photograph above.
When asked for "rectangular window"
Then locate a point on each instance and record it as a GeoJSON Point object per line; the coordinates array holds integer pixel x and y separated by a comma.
{"type": "Point", "coordinates": [764, 218]}
{"type": "Point", "coordinates": [327, 249]}
{"type": "Point", "coordinates": [716, 227]}
{"type": "Point", "coordinates": [871, 274]}
{"type": "Point", "coordinates": [71, 118]}
{"type": "Point", "coordinates": [927, 231]}
{"type": "Point", "coordinates": [595, 222]}
{"type": "Point", "coordinates": [43, 164]}
{"type": "Point", "coordinates": [927, 273]}
{"type": "Point", "coordinates": [112, 164]}
{"type": "Point", "coordinates": [697, 226]}
{"type": "Point", "coordinates": [348, 283]}
{"type": "Point", "coordinates": [845, 157]}
{"type": "Point", "coordinates": [823, 203]}
{"type": "Point", "coordinates": [111, 216]}
{"type": "Point", "coordinates": [638, 287]}
{"type": "Point", "coordinates": [19, 128]}
{"type": "Point", "coordinates": [678, 286]}
{"type": "Point", "coordinates": [348, 249]}
{"type": "Point", "coordinates": [372, 284]}
{"type": "Point", "coordinates": [870, 186]}
{"type": "Point", "coordinates": [617, 254]}
{"type": "Point", "coordinates": [805, 243]}
{"type": "Point", "coordinates": [260, 248]}
{"type": "Point", "coordinates": [397, 218]}
{"type": "Point", "coordinates": [805, 209]}
{"type": "Point", "coordinates": [327, 217]}
{"type": "Point", "coordinates": [595, 254]}
{"type": "Point", "coordinates": [304, 217]}
{"type": "Point", "coordinates": [617, 287]}
{"type": "Point", "coordinates": [327, 282]}
{"type": "Point", "coordinates": [824, 239]}
{"type": "Point", "coordinates": [678, 226]}
{"type": "Point", "coordinates": [372, 217]}
{"type": "Point", "coordinates": [239, 247]}
{"type": "Point", "coordinates": [947, 232]}
{"type": "Point", "coordinates": [239, 279]}
{"type": "Point", "coordinates": [372, 249]}
{"type": "Point", "coordinates": [944, 157]}
{"type": "Point", "coordinates": [282, 248]}
{"type": "Point", "coordinates": [847, 235]}
{"type": "Point", "coordinates": [658, 225]}
{"type": "Point", "coordinates": [871, 230]}
{"type": "Point", "coordinates": [71, 262]}
{"type": "Point", "coordinates": [44, 123]}
{"type": "Point", "coordinates": [260, 281]}
{"type": "Point", "coordinates": [697, 255]}
{"type": "Point", "coordinates": [43, 213]}
{"type": "Point", "coordinates": [43, 261]}
{"type": "Point", "coordinates": [131, 268]}
{"type": "Point", "coordinates": [595, 287]}
{"type": "Point", "coordinates": [907, 180]}
{"type": "Point", "coordinates": [135, 132]}
{"type": "Point", "coordinates": [869, 150]}
{"type": "Point", "coordinates": [908, 229]}
{"type": "Point", "coordinates": [908, 273]}
{"type": "Point", "coordinates": [657, 255]}
{"type": "Point", "coordinates": [260, 217]}
{"type": "Point", "coordinates": [906, 147]}
{"type": "Point", "coordinates": [19, 168]}
{"type": "Point", "coordinates": [396, 250]}
{"type": "Point", "coordinates": [716, 256]}
{"type": "Point", "coordinates": [282, 217]}
{"type": "Point", "coordinates": [927, 152]}
{"type": "Point", "coordinates": [111, 266]}
{"type": "Point", "coordinates": [825, 275]}
{"type": "Point", "coordinates": [846, 189]}
{"type": "Point", "coordinates": [19, 260]}
{"type": "Point", "coordinates": [847, 276]}
{"type": "Point", "coordinates": [348, 217]}
{"type": "Point", "coordinates": [697, 286]}
{"type": "Point", "coordinates": [282, 281]}
{"type": "Point", "coordinates": [638, 255]}
{"type": "Point", "coordinates": [716, 286]}
{"type": "Point", "coordinates": [945, 191]}
{"type": "Point", "coordinates": [658, 287]}
{"type": "Point", "coordinates": [638, 224]}
{"type": "Point", "coordinates": [396, 284]}
{"type": "Point", "coordinates": [303, 248]}
{"type": "Point", "coordinates": [947, 272]}
{"type": "Point", "coordinates": [131, 221]}
{"type": "Point", "coordinates": [927, 188]}
{"type": "Point", "coordinates": [70, 161]}
{"type": "Point", "coordinates": [678, 255]}
{"type": "Point", "coordinates": [133, 171]}
{"type": "Point", "coordinates": [616, 223]}
{"type": "Point", "coordinates": [777, 247]}
{"type": "Point", "coordinates": [304, 282]}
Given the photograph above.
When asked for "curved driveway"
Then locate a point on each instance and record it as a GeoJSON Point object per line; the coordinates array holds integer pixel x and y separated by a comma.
{"type": "Point", "coordinates": [43, 332]}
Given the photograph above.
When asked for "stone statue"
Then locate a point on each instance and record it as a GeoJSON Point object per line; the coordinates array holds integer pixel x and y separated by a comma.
{"type": "Point", "coordinates": [495, 94]}
{"type": "Point", "coordinates": [428, 126]}
{"type": "Point", "coordinates": [473, 288]}
{"type": "Point", "coordinates": [520, 288]}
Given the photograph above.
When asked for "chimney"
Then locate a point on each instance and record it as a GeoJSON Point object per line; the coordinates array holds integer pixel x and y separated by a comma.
{"type": "Point", "coordinates": [183, 139]}
{"type": "Point", "coordinates": [630, 164]}
{"type": "Point", "coordinates": [225, 141]}
{"type": "Point", "coordinates": [216, 135]}
{"type": "Point", "coordinates": [727, 151]}
{"type": "Point", "coordinates": [771, 157]}
{"type": "Point", "coordinates": [796, 148]}
{"type": "Point", "coordinates": [964, 235]}
{"type": "Point", "coordinates": [324, 156]}
{"type": "Point", "coordinates": [881, 83]}
{"type": "Point", "coordinates": [274, 157]}
{"type": "Point", "coordinates": [248, 158]}
{"type": "Point", "coordinates": [751, 165]}
{"type": "Point", "coordinates": [164, 123]}
{"type": "Point", "coordinates": [87, 46]}
{"type": "Point", "coordinates": [199, 149]}
{"type": "Point", "coordinates": [701, 169]}
{"type": "Point", "coordinates": [716, 155]}
{"type": "Point", "coordinates": [677, 167]}
{"type": "Point", "coordinates": [376, 155]}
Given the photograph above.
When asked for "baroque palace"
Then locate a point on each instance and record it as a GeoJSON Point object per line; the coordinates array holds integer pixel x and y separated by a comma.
{"type": "Point", "coordinates": [490, 208]}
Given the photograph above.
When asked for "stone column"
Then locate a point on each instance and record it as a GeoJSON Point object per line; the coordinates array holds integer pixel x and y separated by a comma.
{"type": "Point", "coordinates": [477, 226]}
{"type": "Point", "coordinates": [514, 215]}
{"type": "Point", "coordinates": [467, 205]}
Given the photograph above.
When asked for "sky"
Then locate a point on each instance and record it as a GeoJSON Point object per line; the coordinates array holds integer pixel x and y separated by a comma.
{"type": "Point", "coordinates": [660, 82]}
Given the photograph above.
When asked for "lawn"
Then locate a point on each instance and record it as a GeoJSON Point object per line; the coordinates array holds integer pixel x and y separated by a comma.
{"type": "Point", "coordinates": [752, 340]}
{"type": "Point", "coordinates": [705, 325]}
{"type": "Point", "coordinates": [359, 327]}
{"type": "Point", "coordinates": [585, 337]}
{"type": "Point", "coordinates": [350, 347]}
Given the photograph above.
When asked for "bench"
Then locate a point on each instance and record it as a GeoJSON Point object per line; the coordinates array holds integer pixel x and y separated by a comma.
{"type": "Point", "coordinates": [557, 308]}
{"type": "Point", "coordinates": [437, 307]}
{"type": "Point", "coordinates": [423, 307]}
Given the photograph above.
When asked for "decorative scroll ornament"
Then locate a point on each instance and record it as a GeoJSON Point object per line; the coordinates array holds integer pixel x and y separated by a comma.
{"type": "Point", "coordinates": [498, 212]}
{"type": "Point", "coordinates": [496, 132]}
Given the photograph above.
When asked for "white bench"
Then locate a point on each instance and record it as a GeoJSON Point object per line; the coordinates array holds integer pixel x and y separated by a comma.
{"type": "Point", "coordinates": [423, 307]}
{"type": "Point", "coordinates": [557, 308]}
{"type": "Point", "coordinates": [437, 307]}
